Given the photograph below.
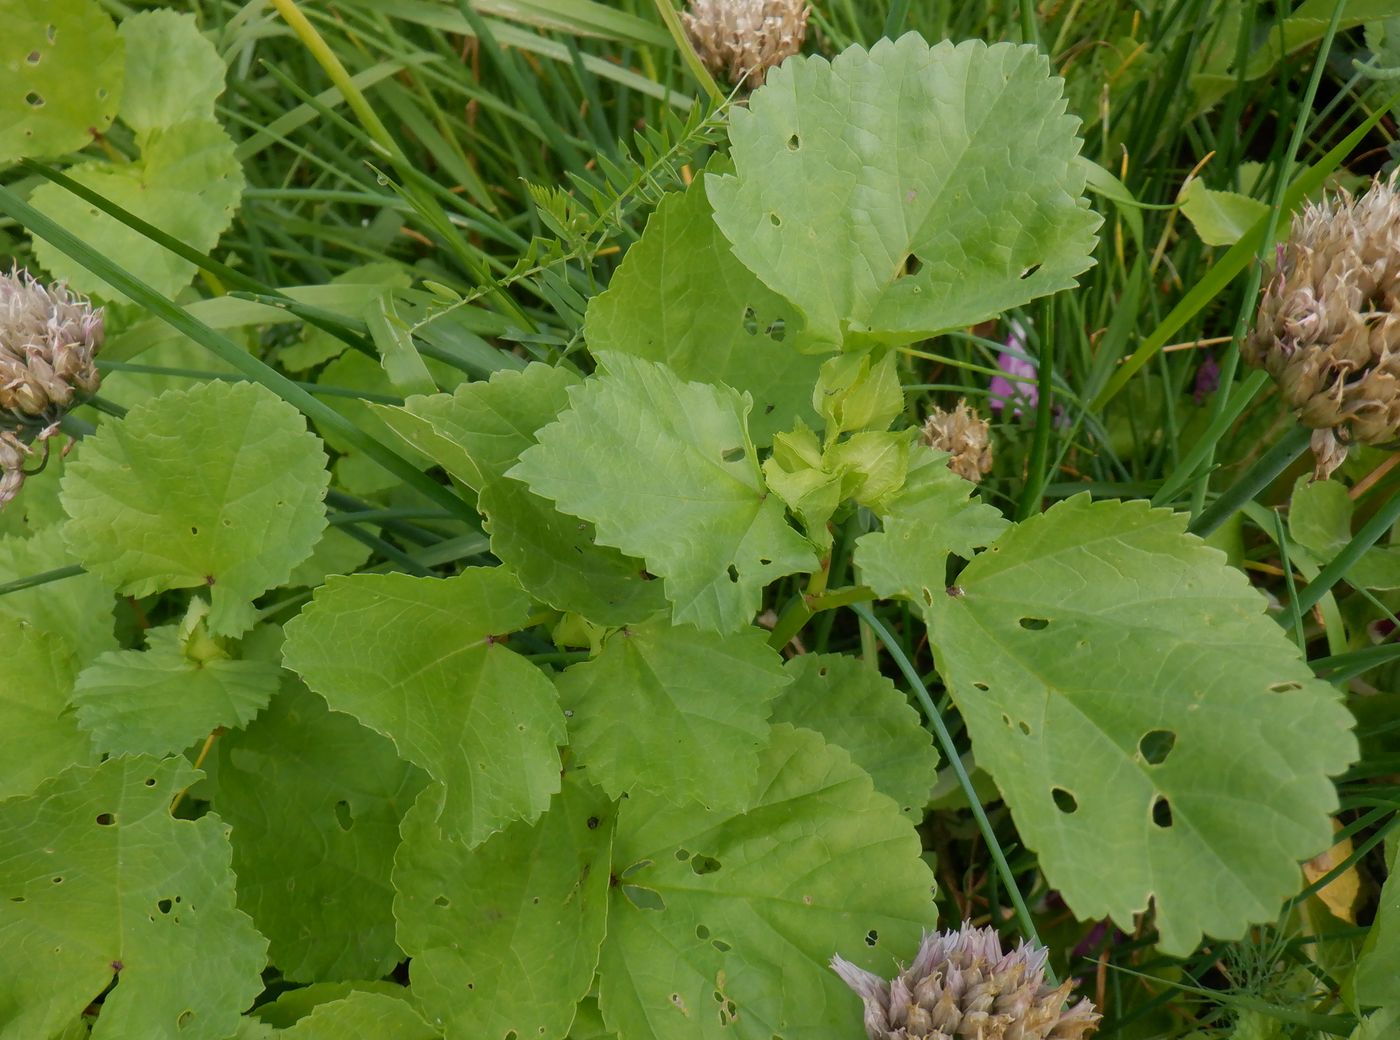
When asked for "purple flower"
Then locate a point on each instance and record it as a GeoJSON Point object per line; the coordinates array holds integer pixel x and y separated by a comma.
{"type": "Point", "coordinates": [1207, 379]}
{"type": "Point", "coordinates": [1016, 363]}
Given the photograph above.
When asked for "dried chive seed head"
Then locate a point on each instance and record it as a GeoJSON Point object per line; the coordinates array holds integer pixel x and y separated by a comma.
{"type": "Point", "coordinates": [961, 986]}
{"type": "Point", "coordinates": [49, 338]}
{"type": "Point", "coordinates": [965, 436]}
{"type": "Point", "coordinates": [740, 40]}
{"type": "Point", "coordinates": [1328, 327]}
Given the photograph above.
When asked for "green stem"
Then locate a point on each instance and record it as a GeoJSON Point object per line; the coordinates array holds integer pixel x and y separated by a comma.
{"type": "Point", "coordinates": [42, 578]}
{"type": "Point", "coordinates": [950, 752]}
{"type": "Point", "coordinates": [1255, 479]}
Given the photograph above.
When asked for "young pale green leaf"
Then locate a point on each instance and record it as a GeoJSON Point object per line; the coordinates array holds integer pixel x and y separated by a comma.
{"type": "Point", "coordinates": [179, 689]}
{"type": "Point", "coordinates": [292, 1005]}
{"type": "Point", "coordinates": [76, 610]}
{"type": "Point", "coordinates": [416, 659]}
{"type": "Point", "coordinates": [723, 924]}
{"type": "Point", "coordinates": [361, 1014]}
{"type": "Point", "coordinates": [858, 709]}
{"type": "Point", "coordinates": [932, 516]}
{"type": "Point", "coordinates": [187, 183]}
{"type": "Point", "coordinates": [98, 883]}
{"type": "Point", "coordinates": [680, 297]}
{"type": "Point", "coordinates": [173, 74]}
{"type": "Point", "coordinates": [666, 470]}
{"type": "Point", "coordinates": [61, 66]}
{"type": "Point", "coordinates": [908, 189]}
{"type": "Point", "coordinates": [1125, 689]}
{"type": "Point", "coordinates": [504, 937]}
{"type": "Point", "coordinates": [39, 738]}
{"type": "Point", "coordinates": [313, 795]}
{"type": "Point", "coordinates": [219, 486]}
{"type": "Point", "coordinates": [1221, 218]}
{"type": "Point", "coordinates": [478, 432]}
{"type": "Point", "coordinates": [675, 711]}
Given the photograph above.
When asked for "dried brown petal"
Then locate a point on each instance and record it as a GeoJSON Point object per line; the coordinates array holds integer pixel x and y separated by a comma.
{"type": "Point", "coordinates": [965, 436]}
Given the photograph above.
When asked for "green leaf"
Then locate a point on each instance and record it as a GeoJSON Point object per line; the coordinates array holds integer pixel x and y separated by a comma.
{"type": "Point", "coordinates": [362, 1014]}
{"type": "Point", "coordinates": [38, 737]}
{"type": "Point", "coordinates": [504, 937]}
{"type": "Point", "coordinates": [317, 345]}
{"type": "Point", "coordinates": [173, 74]}
{"type": "Point", "coordinates": [1376, 982]}
{"type": "Point", "coordinates": [588, 1023]}
{"type": "Point", "coordinates": [933, 515]}
{"type": "Point", "coordinates": [100, 883]}
{"type": "Point", "coordinates": [856, 708]}
{"type": "Point", "coordinates": [416, 659]}
{"type": "Point", "coordinates": [1221, 218]}
{"type": "Point", "coordinates": [478, 432]}
{"type": "Point", "coordinates": [76, 610]}
{"type": "Point", "coordinates": [218, 486]}
{"type": "Point", "coordinates": [292, 1005]}
{"type": "Point", "coordinates": [165, 698]}
{"type": "Point", "coordinates": [677, 712]}
{"type": "Point", "coordinates": [680, 297]}
{"type": "Point", "coordinates": [1319, 516]}
{"type": "Point", "coordinates": [908, 189]}
{"type": "Point", "coordinates": [314, 796]}
{"type": "Point", "coordinates": [666, 470]}
{"type": "Point", "coordinates": [187, 183]}
{"type": "Point", "coordinates": [1130, 697]}
{"type": "Point", "coordinates": [723, 924]}
{"type": "Point", "coordinates": [61, 69]}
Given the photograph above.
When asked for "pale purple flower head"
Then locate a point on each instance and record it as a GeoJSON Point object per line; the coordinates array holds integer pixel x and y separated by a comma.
{"type": "Point", "coordinates": [1016, 362]}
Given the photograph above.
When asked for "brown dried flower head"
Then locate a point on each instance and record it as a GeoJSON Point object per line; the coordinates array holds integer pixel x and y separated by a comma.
{"type": "Point", "coordinates": [48, 341]}
{"type": "Point", "coordinates": [1328, 328]}
{"type": "Point", "coordinates": [962, 987]}
{"type": "Point", "coordinates": [740, 40]}
{"type": "Point", "coordinates": [965, 436]}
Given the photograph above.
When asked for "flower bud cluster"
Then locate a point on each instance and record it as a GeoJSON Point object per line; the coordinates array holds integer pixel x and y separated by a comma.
{"type": "Point", "coordinates": [962, 987]}
{"type": "Point", "coordinates": [740, 40]}
{"type": "Point", "coordinates": [48, 341]}
{"type": "Point", "coordinates": [1328, 327]}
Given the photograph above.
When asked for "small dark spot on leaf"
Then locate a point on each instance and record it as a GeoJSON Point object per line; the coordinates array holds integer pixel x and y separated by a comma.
{"type": "Point", "coordinates": [209, 579]}
{"type": "Point", "coordinates": [186, 1017]}
{"type": "Point", "coordinates": [733, 573]}
{"type": "Point", "coordinates": [701, 932]}
{"type": "Point", "coordinates": [593, 823]}
{"type": "Point", "coordinates": [775, 220]}
{"type": "Point", "coordinates": [1030, 271]}
{"type": "Point", "coordinates": [768, 409]}
{"type": "Point", "coordinates": [955, 591]}
{"type": "Point", "coordinates": [1025, 727]}
{"type": "Point", "coordinates": [980, 686]}
{"type": "Point", "coordinates": [34, 100]}
{"type": "Point", "coordinates": [194, 530]}
{"type": "Point", "coordinates": [721, 946]}
{"type": "Point", "coordinates": [1162, 812]}
{"type": "Point", "coordinates": [442, 901]}
{"type": "Point", "coordinates": [58, 880]}
{"type": "Point", "coordinates": [643, 898]}
{"type": "Point", "coordinates": [342, 815]}
{"type": "Point", "coordinates": [105, 819]}
{"type": "Point", "coordinates": [733, 454]}
{"type": "Point", "coordinates": [1064, 800]}
{"type": "Point", "coordinates": [117, 966]}
{"type": "Point", "coordinates": [164, 905]}
{"type": "Point", "coordinates": [872, 937]}
{"type": "Point", "coordinates": [1284, 687]}
{"type": "Point", "coordinates": [1034, 624]}
{"type": "Point", "coordinates": [794, 143]}
{"type": "Point", "coordinates": [33, 57]}
{"type": "Point", "coordinates": [704, 864]}
{"type": "Point", "coordinates": [17, 899]}
{"type": "Point", "coordinates": [150, 781]}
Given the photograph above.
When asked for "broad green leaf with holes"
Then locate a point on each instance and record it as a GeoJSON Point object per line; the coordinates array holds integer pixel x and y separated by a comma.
{"type": "Point", "coordinates": [477, 433]}
{"type": "Point", "coordinates": [313, 795]}
{"type": "Point", "coordinates": [187, 182]}
{"type": "Point", "coordinates": [39, 738]}
{"type": "Point", "coordinates": [98, 883]}
{"type": "Point", "coordinates": [680, 297]}
{"type": "Point", "coordinates": [666, 471]}
{"type": "Point", "coordinates": [1137, 708]}
{"type": "Point", "coordinates": [933, 516]}
{"type": "Point", "coordinates": [76, 610]}
{"type": "Point", "coordinates": [216, 487]}
{"type": "Point", "coordinates": [857, 708]}
{"type": "Point", "coordinates": [675, 711]}
{"type": "Point", "coordinates": [504, 938]}
{"type": "Point", "coordinates": [417, 659]}
{"type": "Point", "coordinates": [723, 924]}
{"type": "Point", "coordinates": [908, 189]}
{"type": "Point", "coordinates": [173, 73]}
{"type": "Point", "coordinates": [61, 68]}
{"type": "Point", "coordinates": [177, 691]}
{"type": "Point", "coordinates": [361, 1014]}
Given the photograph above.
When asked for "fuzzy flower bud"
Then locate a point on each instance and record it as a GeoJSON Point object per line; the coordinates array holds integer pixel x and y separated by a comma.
{"type": "Point", "coordinates": [964, 435]}
{"type": "Point", "coordinates": [740, 40]}
{"type": "Point", "coordinates": [48, 340]}
{"type": "Point", "coordinates": [1328, 328]}
{"type": "Point", "coordinates": [962, 987]}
